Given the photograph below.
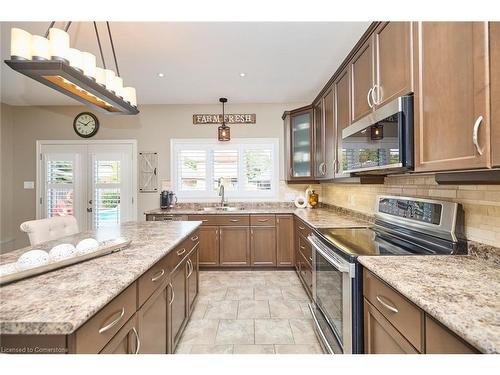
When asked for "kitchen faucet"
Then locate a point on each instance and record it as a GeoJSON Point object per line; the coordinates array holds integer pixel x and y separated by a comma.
{"type": "Point", "coordinates": [221, 193]}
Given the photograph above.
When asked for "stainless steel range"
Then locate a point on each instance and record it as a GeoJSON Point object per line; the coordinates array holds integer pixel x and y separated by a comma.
{"type": "Point", "coordinates": [403, 226]}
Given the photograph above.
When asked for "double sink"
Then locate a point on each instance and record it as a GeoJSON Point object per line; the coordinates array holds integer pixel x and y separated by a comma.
{"type": "Point", "coordinates": [221, 209]}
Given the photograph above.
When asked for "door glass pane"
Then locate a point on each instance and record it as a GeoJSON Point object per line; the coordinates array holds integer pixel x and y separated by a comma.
{"type": "Point", "coordinates": [225, 166]}
{"type": "Point", "coordinates": [318, 131]}
{"type": "Point", "coordinates": [107, 172]}
{"type": "Point", "coordinates": [192, 170]}
{"type": "Point", "coordinates": [107, 207]}
{"type": "Point", "coordinates": [59, 188]}
{"type": "Point", "coordinates": [301, 132]}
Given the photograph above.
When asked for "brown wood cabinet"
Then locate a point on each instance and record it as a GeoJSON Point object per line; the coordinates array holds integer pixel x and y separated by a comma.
{"type": "Point", "coordinates": [451, 96]}
{"type": "Point", "coordinates": [177, 307]}
{"type": "Point", "coordinates": [495, 92]}
{"type": "Point", "coordinates": [209, 246]}
{"type": "Point", "coordinates": [284, 241]}
{"type": "Point", "coordinates": [234, 246]}
{"type": "Point", "coordinates": [193, 279]}
{"type": "Point", "coordinates": [395, 325]}
{"type": "Point", "coordinates": [152, 321]}
{"type": "Point", "coordinates": [393, 63]}
{"type": "Point", "coordinates": [342, 118]}
{"type": "Point", "coordinates": [324, 137]}
{"type": "Point", "coordinates": [362, 81]}
{"type": "Point", "coordinates": [303, 255]}
{"type": "Point", "coordinates": [126, 341]}
{"type": "Point", "coordinates": [263, 246]}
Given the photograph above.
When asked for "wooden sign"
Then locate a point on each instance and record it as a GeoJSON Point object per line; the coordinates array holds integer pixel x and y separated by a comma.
{"type": "Point", "coordinates": [201, 119]}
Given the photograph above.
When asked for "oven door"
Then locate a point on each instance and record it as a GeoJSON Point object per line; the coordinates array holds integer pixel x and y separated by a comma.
{"type": "Point", "coordinates": [332, 293]}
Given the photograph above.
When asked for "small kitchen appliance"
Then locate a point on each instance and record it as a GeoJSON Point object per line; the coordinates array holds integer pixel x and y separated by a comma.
{"type": "Point", "coordinates": [168, 199]}
{"type": "Point", "coordinates": [403, 226]}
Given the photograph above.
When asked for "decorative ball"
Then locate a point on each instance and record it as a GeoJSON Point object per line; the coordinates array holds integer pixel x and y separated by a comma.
{"type": "Point", "coordinates": [7, 269]}
{"type": "Point", "coordinates": [62, 251]}
{"type": "Point", "coordinates": [31, 259]}
{"type": "Point", "coordinates": [86, 246]}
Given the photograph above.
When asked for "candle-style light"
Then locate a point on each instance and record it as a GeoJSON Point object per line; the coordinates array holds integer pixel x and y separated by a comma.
{"type": "Point", "coordinates": [110, 79]}
{"type": "Point", "coordinates": [130, 95]}
{"type": "Point", "coordinates": [75, 58]}
{"type": "Point", "coordinates": [59, 44]}
{"type": "Point", "coordinates": [118, 86]}
{"type": "Point", "coordinates": [100, 76]}
{"type": "Point", "coordinates": [224, 131]}
{"type": "Point", "coordinates": [89, 64]}
{"type": "Point", "coordinates": [40, 48]}
{"type": "Point", "coordinates": [20, 44]}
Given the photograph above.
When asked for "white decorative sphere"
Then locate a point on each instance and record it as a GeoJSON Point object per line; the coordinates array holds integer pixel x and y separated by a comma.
{"type": "Point", "coordinates": [31, 259]}
{"type": "Point", "coordinates": [7, 269]}
{"type": "Point", "coordinates": [86, 246]}
{"type": "Point", "coordinates": [62, 251]}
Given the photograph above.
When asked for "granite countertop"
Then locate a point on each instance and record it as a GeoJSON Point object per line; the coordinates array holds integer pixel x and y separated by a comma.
{"type": "Point", "coordinates": [59, 302]}
{"type": "Point", "coordinates": [317, 218]}
{"type": "Point", "coordinates": [462, 292]}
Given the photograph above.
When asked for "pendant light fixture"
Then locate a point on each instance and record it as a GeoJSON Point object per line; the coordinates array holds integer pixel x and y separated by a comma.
{"type": "Point", "coordinates": [50, 61]}
{"type": "Point", "coordinates": [224, 130]}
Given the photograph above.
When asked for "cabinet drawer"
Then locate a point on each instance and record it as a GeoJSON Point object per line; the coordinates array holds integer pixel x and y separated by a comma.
{"type": "Point", "coordinates": [100, 329]}
{"type": "Point", "coordinates": [305, 249]}
{"type": "Point", "coordinates": [302, 228]}
{"type": "Point", "coordinates": [263, 220]}
{"type": "Point", "coordinates": [401, 313]}
{"type": "Point", "coordinates": [152, 279]}
{"type": "Point", "coordinates": [234, 220]}
{"type": "Point", "coordinates": [205, 219]}
{"type": "Point", "coordinates": [181, 251]}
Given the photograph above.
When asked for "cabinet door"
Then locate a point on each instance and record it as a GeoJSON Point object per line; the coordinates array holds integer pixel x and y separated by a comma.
{"type": "Point", "coordinates": [209, 246]}
{"type": "Point", "coordinates": [393, 67]}
{"type": "Point", "coordinates": [329, 135]}
{"type": "Point", "coordinates": [234, 246]}
{"type": "Point", "coordinates": [193, 276]}
{"type": "Point", "coordinates": [440, 340]}
{"type": "Point", "coordinates": [126, 340]}
{"type": "Point", "coordinates": [362, 82]}
{"type": "Point", "coordinates": [284, 241]}
{"type": "Point", "coordinates": [301, 141]}
{"type": "Point", "coordinates": [287, 146]}
{"type": "Point", "coordinates": [263, 246]}
{"type": "Point", "coordinates": [319, 140]}
{"type": "Point", "coordinates": [152, 319]}
{"type": "Point", "coordinates": [342, 118]}
{"type": "Point", "coordinates": [177, 312]}
{"type": "Point", "coordinates": [451, 97]}
{"type": "Point", "coordinates": [380, 337]}
{"type": "Point", "coordinates": [495, 92]}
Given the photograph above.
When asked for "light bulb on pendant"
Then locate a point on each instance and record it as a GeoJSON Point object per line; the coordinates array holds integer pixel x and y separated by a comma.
{"type": "Point", "coordinates": [224, 131]}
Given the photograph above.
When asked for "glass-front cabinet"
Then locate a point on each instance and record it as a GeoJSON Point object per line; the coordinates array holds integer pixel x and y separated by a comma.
{"type": "Point", "coordinates": [298, 140]}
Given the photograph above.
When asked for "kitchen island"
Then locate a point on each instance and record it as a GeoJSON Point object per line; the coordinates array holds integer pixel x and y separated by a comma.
{"type": "Point", "coordinates": [62, 303]}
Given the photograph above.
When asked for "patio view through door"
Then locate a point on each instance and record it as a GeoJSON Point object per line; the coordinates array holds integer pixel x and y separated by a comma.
{"type": "Point", "coordinates": [93, 181]}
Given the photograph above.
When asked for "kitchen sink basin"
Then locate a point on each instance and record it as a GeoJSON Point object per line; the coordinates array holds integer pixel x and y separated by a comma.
{"type": "Point", "coordinates": [226, 208]}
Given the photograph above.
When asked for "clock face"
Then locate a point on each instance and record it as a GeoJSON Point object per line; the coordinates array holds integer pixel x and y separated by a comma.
{"type": "Point", "coordinates": [86, 124]}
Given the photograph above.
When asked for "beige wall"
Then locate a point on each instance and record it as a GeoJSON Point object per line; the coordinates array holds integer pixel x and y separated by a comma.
{"type": "Point", "coordinates": [7, 232]}
{"type": "Point", "coordinates": [481, 203]}
{"type": "Point", "coordinates": [152, 128]}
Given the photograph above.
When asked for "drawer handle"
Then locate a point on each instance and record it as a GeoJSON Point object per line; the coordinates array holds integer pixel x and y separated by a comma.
{"type": "Point", "coordinates": [158, 275]}
{"type": "Point", "coordinates": [302, 247]}
{"type": "Point", "coordinates": [387, 306]}
{"type": "Point", "coordinates": [204, 221]}
{"type": "Point", "coordinates": [263, 220]}
{"type": "Point", "coordinates": [234, 220]}
{"type": "Point", "coordinates": [311, 259]}
{"type": "Point", "coordinates": [137, 340]}
{"type": "Point", "coordinates": [113, 323]}
{"type": "Point", "coordinates": [195, 238]}
{"type": "Point", "coordinates": [301, 228]}
{"type": "Point", "coordinates": [173, 293]}
{"type": "Point", "coordinates": [180, 252]}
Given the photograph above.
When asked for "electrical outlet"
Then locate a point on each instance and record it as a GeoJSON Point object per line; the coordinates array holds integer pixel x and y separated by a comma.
{"type": "Point", "coordinates": [29, 184]}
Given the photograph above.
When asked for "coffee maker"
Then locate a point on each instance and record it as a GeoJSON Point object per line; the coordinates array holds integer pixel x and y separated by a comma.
{"type": "Point", "coordinates": [168, 199]}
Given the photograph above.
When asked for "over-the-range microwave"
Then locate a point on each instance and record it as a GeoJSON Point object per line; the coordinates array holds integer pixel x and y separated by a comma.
{"type": "Point", "coordinates": [382, 142]}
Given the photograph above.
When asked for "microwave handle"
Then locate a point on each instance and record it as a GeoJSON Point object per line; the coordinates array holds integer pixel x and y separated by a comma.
{"type": "Point", "coordinates": [344, 268]}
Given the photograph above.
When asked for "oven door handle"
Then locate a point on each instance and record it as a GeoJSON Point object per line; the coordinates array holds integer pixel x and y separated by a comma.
{"type": "Point", "coordinates": [344, 268]}
{"type": "Point", "coordinates": [322, 337]}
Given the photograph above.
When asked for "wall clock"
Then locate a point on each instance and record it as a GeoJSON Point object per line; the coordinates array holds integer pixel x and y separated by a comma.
{"type": "Point", "coordinates": [86, 124]}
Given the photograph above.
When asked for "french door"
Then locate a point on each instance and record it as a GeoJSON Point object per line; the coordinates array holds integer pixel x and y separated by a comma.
{"type": "Point", "coordinates": [94, 181]}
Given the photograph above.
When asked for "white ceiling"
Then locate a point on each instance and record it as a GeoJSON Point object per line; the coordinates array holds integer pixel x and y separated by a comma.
{"type": "Point", "coordinates": [283, 61]}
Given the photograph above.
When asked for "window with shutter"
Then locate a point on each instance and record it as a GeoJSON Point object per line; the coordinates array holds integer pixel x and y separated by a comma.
{"type": "Point", "coordinates": [248, 168]}
{"type": "Point", "coordinates": [59, 186]}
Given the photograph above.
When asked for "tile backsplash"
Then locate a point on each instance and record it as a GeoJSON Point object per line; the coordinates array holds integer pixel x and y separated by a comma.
{"type": "Point", "coordinates": [481, 203]}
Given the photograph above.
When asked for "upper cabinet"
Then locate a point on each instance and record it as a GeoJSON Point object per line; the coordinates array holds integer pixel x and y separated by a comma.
{"type": "Point", "coordinates": [452, 125]}
{"type": "Point", "coordinates": [393, 63]}
{"type": "Point", "coordinates": [324, 137]}
{"type": "Point", "coordinates": [299, 148]}
{"type": "Point", "coordinates": [495, 92]}
{"type": "Point", "coordinates": [362, 81]}
{"type": "Point", "coordinates": [342, 118]}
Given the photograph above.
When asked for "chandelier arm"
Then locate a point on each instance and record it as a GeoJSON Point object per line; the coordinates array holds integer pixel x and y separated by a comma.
{"type": "Point", "coordinates": [50, 26]}
{"type": "Point", "coordinates": [99, 43]}
{"type": "Point", "coordinates": [113, 49]}
{"type": "Point", "coordinates": [67, 26]}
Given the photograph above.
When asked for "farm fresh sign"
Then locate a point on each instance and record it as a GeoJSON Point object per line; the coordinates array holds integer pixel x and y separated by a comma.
{"type": "Point", "coordinates": [245, 118]}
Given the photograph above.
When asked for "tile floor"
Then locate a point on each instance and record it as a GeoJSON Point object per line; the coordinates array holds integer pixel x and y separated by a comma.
{"type": "Point", "coordinates": [250, 312]}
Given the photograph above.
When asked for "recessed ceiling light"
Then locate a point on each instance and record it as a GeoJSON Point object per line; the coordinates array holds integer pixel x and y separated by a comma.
{"type": "Point", "coordinates": [161, 75]}
{"type": "Point", "coordinates": [242, 74]}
